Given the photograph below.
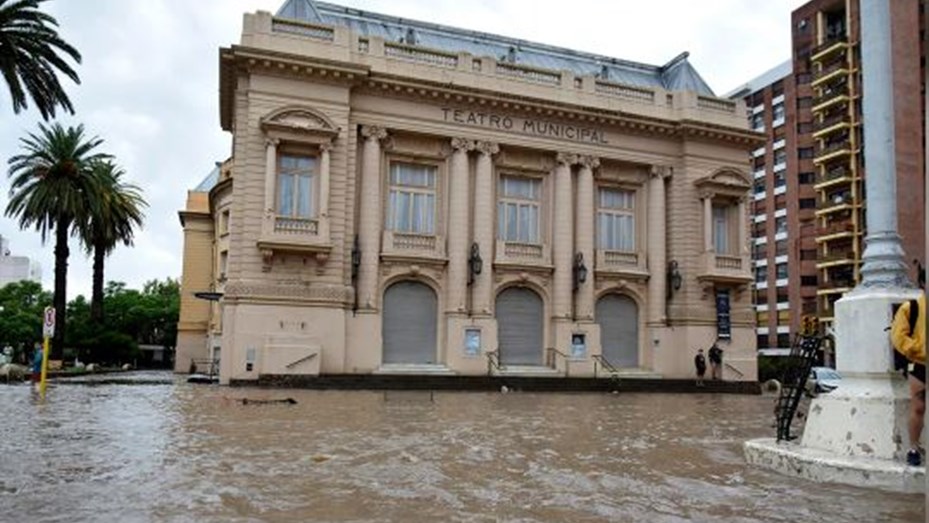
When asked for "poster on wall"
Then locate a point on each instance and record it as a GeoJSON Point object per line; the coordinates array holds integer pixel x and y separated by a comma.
{"type": "Point", "coordinates": [578, 346]}
{"type": "Point", "coordinates": [472, 342]}
{"type": "Point", "coordinates": [723, 322]}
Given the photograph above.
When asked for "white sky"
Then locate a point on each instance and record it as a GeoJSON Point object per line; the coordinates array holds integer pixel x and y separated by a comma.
{"type": "Point", "coordinates": [150, 89]}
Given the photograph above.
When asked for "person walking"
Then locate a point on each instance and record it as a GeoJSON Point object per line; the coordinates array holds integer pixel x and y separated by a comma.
{"type": "Point", "coordinates": [716, 362]}
{"type": "Point", "coordinates": [700, 365]}
{"type": "Point", "coordinates": [908, 334]}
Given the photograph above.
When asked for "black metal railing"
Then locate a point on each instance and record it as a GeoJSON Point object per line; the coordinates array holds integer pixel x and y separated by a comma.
{"type": "Point", "coordinates": [803, 354]}
{"type": "Point", "coordinates": [493, 362]}
{"type": "Point", "coordinates": [551, 360]}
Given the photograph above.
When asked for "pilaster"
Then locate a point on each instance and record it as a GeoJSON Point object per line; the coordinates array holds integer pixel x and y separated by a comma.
{"type": "Point", "coordinates": [482, 288]}
{"type": "Point", "coordinates": [369, 226]}
{"type": "Point", "coordinates": [458, 203]}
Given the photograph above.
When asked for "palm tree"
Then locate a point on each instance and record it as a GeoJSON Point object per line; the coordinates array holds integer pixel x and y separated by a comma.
{"type": "Point", "coordinates": [51, 185]}
{"type": "Point", "coordinates": [114, 214]}
{"type": "Point", "coordinates": [30, 59]}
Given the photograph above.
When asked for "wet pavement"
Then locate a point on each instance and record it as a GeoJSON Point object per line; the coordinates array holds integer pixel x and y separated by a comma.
{"type": "Point", "coordinates": [163, 450]}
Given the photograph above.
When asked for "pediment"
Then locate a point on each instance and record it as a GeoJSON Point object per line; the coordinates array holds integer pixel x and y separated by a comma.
{"type": "Point", "coordinates": [299, 119]}
{"type": "Point", "coordinates": [726, 179]}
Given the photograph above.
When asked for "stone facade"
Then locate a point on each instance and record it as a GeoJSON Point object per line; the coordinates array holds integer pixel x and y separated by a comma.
{"type": "Point", "coordinates": [375, 185]}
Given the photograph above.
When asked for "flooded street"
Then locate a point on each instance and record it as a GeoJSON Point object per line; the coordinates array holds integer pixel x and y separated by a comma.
{"type": "Point", "coordinates": [179, 452]}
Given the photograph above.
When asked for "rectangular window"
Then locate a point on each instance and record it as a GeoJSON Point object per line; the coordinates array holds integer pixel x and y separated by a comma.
{"type": "Point", "coordinates": [780, 156]}
{"type": "Point", "coordinates": [721, 229]}
{"type": "Point", "coordinates": [758, 121]}
{"type": "Point", "coordinates": [780, 179]}
{"type": "Point", "coordinates": [809, 281]}
{"type": "Point", "coordinates": [804, 127]}
{"type": "Point", "coordinates": [762, 341]}
{"type": "Point", "coordinates": [807, 203]}
{"type": "Point", "coordinates": [779, 111]}
{"type": "Point", "coordinates": [412, 198]}
{"type": "Point", "coordinates": [759, 186]}
{"type": "Point", "coordinates": [296, 186]}
{"type": "Point", "coordinates": [805, 153]}
{"type": "Point", "coordinates": [783, 341]}
{"type": "Point", "coordinates": [761, 274]}
{"type": "Point", "coordinates": [781, 271]}
{"type": "Point", "coordinates": [616, 220]}
{"type": "Point", "coordinates": [780, 224]}
{"type": "Point", "coordinates": [806, 178]}
{"type": "Point", "coordinates": [518, 209]}
{"type": "Point", "coordinates": [804, 101]}
{"type": "Point", "coordinates": [223, 264]}
{"type": "Point", "coordinates": [762, 318]}
{"type": "Point", "coordinates": [224, 223]}
{"type": "Point", "coordinates": [808, 254]}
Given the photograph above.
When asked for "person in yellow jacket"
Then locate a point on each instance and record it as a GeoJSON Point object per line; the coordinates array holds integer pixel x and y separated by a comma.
{"type": "Point", "coordinates": [911, 343]}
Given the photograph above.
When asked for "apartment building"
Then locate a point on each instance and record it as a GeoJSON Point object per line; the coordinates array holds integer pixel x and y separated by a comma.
{"type": "Point", "coordinates": [809, 202]}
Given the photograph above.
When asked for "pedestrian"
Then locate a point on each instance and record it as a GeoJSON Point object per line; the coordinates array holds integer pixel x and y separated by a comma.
{"type": "Point", "coordinates": [716, 362]}
{"type": "Point", "coordinates": [36, 364]}
{"type": "Point", "coordinates": [908, 334]}
{"type": "Point", "coordinates": [700, 364]}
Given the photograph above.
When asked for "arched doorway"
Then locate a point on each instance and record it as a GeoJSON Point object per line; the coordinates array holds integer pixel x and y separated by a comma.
{"type": "Point", "coordinates": [618, 317]}
{"type": "Point", "coordinates": [409, 323]}
{"type": "Point", "coordinates": [520, 320]}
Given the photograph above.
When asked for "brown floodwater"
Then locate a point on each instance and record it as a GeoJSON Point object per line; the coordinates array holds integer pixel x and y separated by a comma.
{"type": "Point", "coordinates": [179, 452]}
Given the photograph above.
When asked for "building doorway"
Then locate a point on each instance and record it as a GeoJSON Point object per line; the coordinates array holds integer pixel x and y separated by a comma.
{"type": "Point", "coordinates": [520, 320]}
{"type": "Point", "coordinates": [409, 323]}
{"type": "Point", "coordinates": [618, 317]}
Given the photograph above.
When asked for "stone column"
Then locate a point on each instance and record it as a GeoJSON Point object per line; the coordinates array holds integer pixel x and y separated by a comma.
{"type": "Point", "coordinates": [743, 229]}
{"type": "Point", "coordinates": [324, 173]}
{"type": "Point", "coordinates": [369, 223]}
{"type": "Point", "coordinates": [657, 245]}
{"type": "Point", "coordinates": [584, 220]}
{"type": "Point", "coordinates": [484, 204]}
{"type": "Point", "coordinates": [708, 223]}
{"type": "Point", "coordinates": [458, 203]}
{"type": "Point", "coordinates": [270, 174]}
{"type": "Point", "coordinates": [563, 241]}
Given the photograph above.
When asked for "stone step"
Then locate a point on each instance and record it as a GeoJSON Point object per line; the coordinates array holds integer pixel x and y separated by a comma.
{"type": "Point", "coordinates": [529, 371]}
{"type": "Point", "coordinates": [421, 369]}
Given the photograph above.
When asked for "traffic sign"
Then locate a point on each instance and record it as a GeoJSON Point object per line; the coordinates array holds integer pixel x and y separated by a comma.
{"type": "Point", "coordinates": [48, 324]}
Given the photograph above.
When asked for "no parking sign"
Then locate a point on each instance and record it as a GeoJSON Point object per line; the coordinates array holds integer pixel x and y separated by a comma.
{"type": "Point", "coordinates": [48, 323]}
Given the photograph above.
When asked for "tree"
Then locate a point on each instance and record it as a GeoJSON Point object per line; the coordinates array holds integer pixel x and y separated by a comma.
{"type": "Point", "coordinates": [51, 185]}
{"type": "Point", "coordinates": [31, 56]}
{"type": "Point", "coordinates": [21, 318]}
{"type": "Point", "coordinates": [114, 214]}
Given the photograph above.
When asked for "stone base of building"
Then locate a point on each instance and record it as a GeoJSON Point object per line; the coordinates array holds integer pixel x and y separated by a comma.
{"type": "Point", "coordinates": [793, 459]}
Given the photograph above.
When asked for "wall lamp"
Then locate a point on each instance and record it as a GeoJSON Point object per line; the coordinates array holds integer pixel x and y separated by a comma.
{"type": "Point", "coordinates": [580, 270]}
{"type": "Point", "coordinates": [674, 278]}
{"type": "Point", "coordinates": [475, 263]}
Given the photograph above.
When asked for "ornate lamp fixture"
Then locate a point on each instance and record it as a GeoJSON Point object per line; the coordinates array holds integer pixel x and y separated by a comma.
{"type": "Point", "coordinates": [475, 263]}
{"type": "Point", "coordinates": [580, 270]}
{"type": "Point", "coordinates": [674, 278]}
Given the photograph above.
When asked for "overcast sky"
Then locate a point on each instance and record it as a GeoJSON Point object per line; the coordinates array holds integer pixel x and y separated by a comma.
{"type": "Point", "coordinates": [150, 90]}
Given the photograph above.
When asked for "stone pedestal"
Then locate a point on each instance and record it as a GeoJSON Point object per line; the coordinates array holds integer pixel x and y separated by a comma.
{"type": "Point", "coordinates": [856, 434]}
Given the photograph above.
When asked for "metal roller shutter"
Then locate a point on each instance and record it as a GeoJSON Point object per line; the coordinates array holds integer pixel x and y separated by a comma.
{"type": "Point", "coordinates": [409, 323]}
{"type": "Point", "coordinates": [618, 317]}
{"type": "Point", "coordinates": [519, 322]}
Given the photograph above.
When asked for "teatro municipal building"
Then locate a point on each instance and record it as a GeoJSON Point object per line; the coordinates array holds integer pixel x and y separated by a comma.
{"type": "Point", "coordinates": [406, 198]}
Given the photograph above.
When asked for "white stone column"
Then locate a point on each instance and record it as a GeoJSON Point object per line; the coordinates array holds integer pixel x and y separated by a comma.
{"type": "Point", "coordinates": [563, 241]}
{"type": "Point", "coordinates": [584, 221]}
{"type": "Point", "coordinates": [270, 174]}
{"type": "Point", "coordinates": [657, 245]}
{"type": "Point", "coordinates": [324, 174]}
{"type": "Point", "coordinates": [458, 203]}
{"type": "Point", "coordinates": [369, 226]}
{"type": "Point", "coordinates": [743, 228]}
{"type": "Point", "coordinates": [484, 204]}
{"type": "Point", "coordinates": [708, 223]}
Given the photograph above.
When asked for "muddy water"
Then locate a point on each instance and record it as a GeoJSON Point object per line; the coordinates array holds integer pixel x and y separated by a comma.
{"type": "Point", "coordinates": [178, 452]}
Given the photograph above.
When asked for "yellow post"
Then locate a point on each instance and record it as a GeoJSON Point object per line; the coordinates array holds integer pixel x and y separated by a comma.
{"type": "Point", "coordinates": [44, 367]}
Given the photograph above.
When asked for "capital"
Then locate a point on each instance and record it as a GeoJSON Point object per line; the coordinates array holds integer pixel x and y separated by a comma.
{"type": "Point", "coordinates": [488, 148]}
{"type": "Point", "coordinates": [326, 146]}
{"type": "Point", "coordinates": [373, 132]}
{"type": "Point", "coordinates": [661, 171]}
{"type": "Point", "coordinates": [591, 162]}
{"type": "Point", "coordinates": [462, 144]}
{"type": "Point", "coordinates": [272, 142]}
{"type": "Point", "coordinates": [568, 159]}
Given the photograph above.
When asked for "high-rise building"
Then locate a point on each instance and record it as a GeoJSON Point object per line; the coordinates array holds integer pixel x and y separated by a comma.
{"type": "Point", "coordinates": [809, 200]}
{"type": "Point", "coordinates": [17, 268]}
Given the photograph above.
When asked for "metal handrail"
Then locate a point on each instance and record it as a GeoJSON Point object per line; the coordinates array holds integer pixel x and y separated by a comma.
{"type": "Point", "coordinates": [551, 359]}
{"type": "Point", "coordinates": [493, 362]}
{"type": "Point", "coordinates": [605, 363]}
{"type": "Point", "coordinates": [301, 360]}
{"type": "Point", "coordinates": [733, 369]}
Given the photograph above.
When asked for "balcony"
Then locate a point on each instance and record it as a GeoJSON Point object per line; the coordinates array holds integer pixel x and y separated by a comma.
{"type": "Point", "coordinates": [829, 72]}
{"type": "Point", "coordinates": [726, 268]}
{"type": "Point", "coordinates": [520, 254]}
{"type": "Point", "coordinates": [830, 96]}
{"type": "Point", "coordinates": [630, 264]}
{"type": "Point", "coordinates": [287, 234]}
{"type": "Point", "coordinates": [837, 258]}
{"type": "Point", "coordinates": [839, 286]}
{"type": "Point", "coordinates": [829, 48]}
{"type": "Point", "coordinates": [835, 231]}
{"type": "Point", "coordinates": [832, 150]}
{"type": "Point", "coordinates": [832, 123]}
{"type": "Point", "coordinates": [409, 246]}
{"type": "Point", "coordinates": [834, 177]}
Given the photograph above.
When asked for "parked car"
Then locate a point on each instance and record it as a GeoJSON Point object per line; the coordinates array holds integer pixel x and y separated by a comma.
{"type": "Point", "coordinates": [823, 379]}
